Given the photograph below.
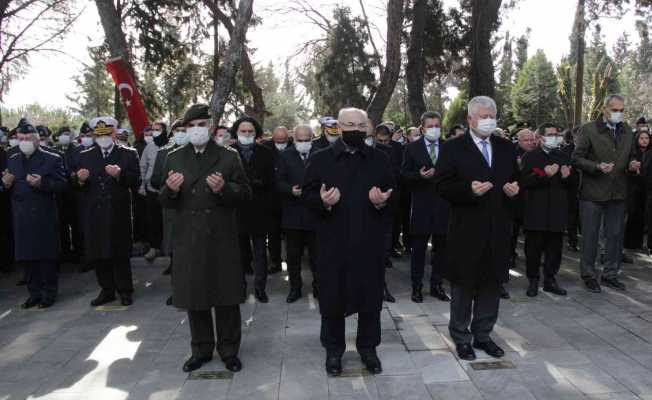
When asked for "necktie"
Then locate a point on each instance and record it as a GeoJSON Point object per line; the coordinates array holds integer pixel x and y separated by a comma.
{"type": "Point", "coordinates": [106, 154]}
{"type": "Point", "coordinates": [485, 152]}
{"type": "Point", "coordinates": [433, 152]}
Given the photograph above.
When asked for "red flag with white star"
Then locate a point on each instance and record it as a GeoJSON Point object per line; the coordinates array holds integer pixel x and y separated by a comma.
{"type": "Point", "coordinates": [129, 95]}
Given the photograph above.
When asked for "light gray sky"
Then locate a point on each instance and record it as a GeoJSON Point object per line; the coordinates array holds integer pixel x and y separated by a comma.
{"type": "Point", "coordinates": [50, 77]}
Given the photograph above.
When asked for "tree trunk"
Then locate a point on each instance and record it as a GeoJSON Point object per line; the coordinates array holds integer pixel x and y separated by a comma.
{"type": "Point", "coordinates": [392, 70]}
{"type": "Point", "coordinates": [580, 30]}
{"type": "Point", "coordinates": [216, 46]}
{"type": "Point", "coordinates": [224, 84]}
{"type": "Point", "coordinates": [415, 63]}
{"type": "Point", "coordinates": [484, 18]}
{"type": "Point", "coordinates": [114, 35]}
{"type": "Point", "coordinates": [259, 109]}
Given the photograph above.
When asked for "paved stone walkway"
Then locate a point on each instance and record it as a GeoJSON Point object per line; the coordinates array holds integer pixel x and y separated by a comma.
{"type": "Point", "coordinates": [585, 346]}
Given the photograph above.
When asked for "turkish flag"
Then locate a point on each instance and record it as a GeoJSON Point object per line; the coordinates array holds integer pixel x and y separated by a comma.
{"type": "Point", "coordinates": [129, 94]}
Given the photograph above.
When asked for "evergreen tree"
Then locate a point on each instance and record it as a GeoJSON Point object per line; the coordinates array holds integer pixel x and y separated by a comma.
{"type": "Point", "coordinates": [534, 96]}
{"type": "Point", "coordinates": [345, 76]}
{"type": "Point", "coordinates": [522, 44]}
{"type": "Point", "coordinates": [505, 81]}
{"type": "Point", "coordinates": [95, 87]}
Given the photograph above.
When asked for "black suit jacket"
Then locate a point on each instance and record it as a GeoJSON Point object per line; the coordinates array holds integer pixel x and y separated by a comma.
{"type": "Point", "coordinates": [255, 214]}
{"type": "Point", "coordinates": [480, 227]}
{"type": "Point", "coordinates": [428, 211]}
{"type": "Point", "coordinates": [290, 171]}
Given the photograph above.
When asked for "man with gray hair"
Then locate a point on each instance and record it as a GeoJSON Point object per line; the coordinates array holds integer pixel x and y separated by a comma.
{"type": "Point", "coordinates": [348, 187]}
{"type": "Point", "coordinates": [297, 222]}
{"type": "Point", "coordinates": [604, 155]}
{"type": "Point", "coordinates": [477, 173]}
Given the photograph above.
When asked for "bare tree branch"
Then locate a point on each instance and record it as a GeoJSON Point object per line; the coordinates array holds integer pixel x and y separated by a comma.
{"type": "Point", "coordinates": [378, 59]}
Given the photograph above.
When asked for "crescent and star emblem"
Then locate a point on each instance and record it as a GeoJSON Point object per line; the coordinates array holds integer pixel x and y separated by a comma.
{"type": "Point", "coordinates": [127, 99]}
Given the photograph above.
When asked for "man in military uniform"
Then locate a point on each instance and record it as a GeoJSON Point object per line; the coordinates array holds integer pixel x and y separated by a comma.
{"type": "Point", "coordinates": [205, 183]}
{"type": "Point", "coordinates": [329, 133]}
{"type": "Point", "coordinates": [32, 178]}
{"type": "Point", "coordinates": [107, 177]}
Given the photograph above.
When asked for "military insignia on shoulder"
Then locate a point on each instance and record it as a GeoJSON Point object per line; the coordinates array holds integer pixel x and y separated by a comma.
{"type": "Point", "coordinates": [177, 149]}
{"type": "Point", "coordinates": [87, 150]}
{"type": "Point", "coordinates": [15, 154]}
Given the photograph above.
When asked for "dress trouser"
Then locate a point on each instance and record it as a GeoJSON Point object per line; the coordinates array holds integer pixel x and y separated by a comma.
{"type": "Point", "coordinates": [114, 275]}
{"type": "Point", "coordinates": [227, 325]}
{"type": "Point", "coordinates": [154, 220]}
{"type": "Point", "coordinates": [418, 259]}
{"type": "Point", "coordinates": [259, 257]}
{"type": "Point", "coordinates": [368, 338]}
{"type": "Point", "coordinates": [549, 245]}
{"type": "Point", "coordinates": [296, 241]}
{"type": "Point", "coordinates": [42, 279]}
{"type": "Point", "coordinates": [274, 241]}
{"type": "Point", "coordinates": [592, 214]}
{"type": "Point", "coordinates": [477, 307]}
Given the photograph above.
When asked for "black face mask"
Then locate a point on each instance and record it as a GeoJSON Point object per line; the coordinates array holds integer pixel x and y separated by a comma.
{"type": "Point", "coordinates": [354, 138]}
{"type": "Point", "coordinates": [161, 140]}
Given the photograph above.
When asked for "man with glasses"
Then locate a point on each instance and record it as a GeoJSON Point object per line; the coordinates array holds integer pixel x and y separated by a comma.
{"type": "Point", "coordinates": [348, 187]}
{"type": "Point", "coordinates": [546, 178]}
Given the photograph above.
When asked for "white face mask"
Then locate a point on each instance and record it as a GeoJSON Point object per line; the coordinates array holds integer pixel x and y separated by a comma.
{"type": "Point", "coordinates": [180, 138]}
{"type": "Point", "coordinates": [486, 126]}
{"type": "Point", "coordinates": [281, 146]}
{"type": "Point", "coordinates": [13, 142]}
{"type": "Point", "coordinates": [400, 140]}
{"type": "Point", "coordinates": [104, 141]}
{"type": "Point", "coordinates": [616, 117]}
{"type": "Point", "coordinates": [332, 138]}
{"type": "Point", "coordinates": [27, 147]}
{"type": "Point", "coordinates": [303, 147]}
{"type": "Point", "coordinates": [87, 141]}
{"type": "Point", "coordinates": [433, 134]}
{"type": "Point", "coordinates": [245, 140]}
{"type": "Point", "coordinates": [156, 133]}
{"type": "Point", "coordinates": [123, 143]}
{"type": "Point", "coordinates": [552, 142]}
{"type": "Point", "coordinates": [64, 140]}
{"type": "Point", "coordinates": [369, 141]}
{"type": "Point", "coordinates": [43, 143]}
{"type": "Point", "coordinates": [414, 138]}
{"type": "Point", "coordinates": [198, 135]}
{"type": "Point", "coordinates": [149, 139]}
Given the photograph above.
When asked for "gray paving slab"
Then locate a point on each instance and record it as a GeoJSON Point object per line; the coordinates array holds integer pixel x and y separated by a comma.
{"type": "Point", "coordinates": [583, 346]}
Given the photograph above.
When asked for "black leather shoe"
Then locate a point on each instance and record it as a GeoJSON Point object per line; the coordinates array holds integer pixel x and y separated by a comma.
{"type": "Point", "coordinates": [233, 364]}
{"type": "Point", "coordinates": [103, 298]}
{"type": "Point", "coordinates": [439, 293]}
{"type": "Point", "coordinates": [490, 348]}
{"type": "Point", "coordinates": [417, 296]}
{"type": "Point", "coordinates": [333, 365]}
{"type": "Point", "coordinates": [295, 294]}
{"type": "Point", "coordinates": [194, 363]}
{"type": "Point", "coordinates": [126, 300]}
{"type": "Point", "coordinates": [592, 285]}
{"type": "Point", "coordinates": [465, 352]}
{"type": "Point", "coordinates": [372, 363]}
{"type": "Point", "coordinates": [45, 304]}
{"type": "Point", "coordinates": [573, 247]}
{"type": "Point", "coordinates": [387, 296]}
{"type": "Point", "coordinates": [533, 288]}
{"type": "Point", "coordinates": [613, 283]}
{"type": "Point", "coordinates": [553, 287]}
{"type": "Point", "coordinates": [626, 259]}
{"type": "Point", "coordinates": [168, 302]}
{"type": "Point", "coordinates": [167, 271]}
{"type": "Point", "coordinates": [29, 303]}
{"type": "Point", "coordinates": [21, 282]}
{"type": "Point", "coordinates": [261, 296]}
{"type": "Point", "coordinates": [504, 294]}
{"type": "Point", "coordinates": [395, 253]}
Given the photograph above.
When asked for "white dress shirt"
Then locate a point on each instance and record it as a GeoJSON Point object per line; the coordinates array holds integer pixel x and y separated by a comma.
{"type": "Point", "coordinates": [478, 142]}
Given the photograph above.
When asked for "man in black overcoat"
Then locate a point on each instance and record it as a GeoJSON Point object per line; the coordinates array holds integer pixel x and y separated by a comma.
{"type": "Point", "coordinates": [477, 173]}
{"type": "Point", "coordinates": [108, 176]}
{"type": "Point", "coordinates": [255, 214]}
{"type": "Point", "coordinates": [545, 180]}
{"type": "Point", "coordinates": [348, 187]}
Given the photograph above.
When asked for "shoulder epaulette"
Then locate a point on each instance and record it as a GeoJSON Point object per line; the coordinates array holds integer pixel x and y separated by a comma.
{"type": "Point", "coordinates": [177, 149]}
{"type": "Point", "coordinates": [50, 152]}
{"type": "Point", "coordinates": [87, 150]}
{"type": "Point", "coordinates": [167, 147]}
{"type": "Point", "coordinates": [14, 155]}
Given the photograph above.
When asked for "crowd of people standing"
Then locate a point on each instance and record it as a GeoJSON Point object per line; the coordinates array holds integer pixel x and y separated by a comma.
{"type": "Point", "coordinates": [220, 202]}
